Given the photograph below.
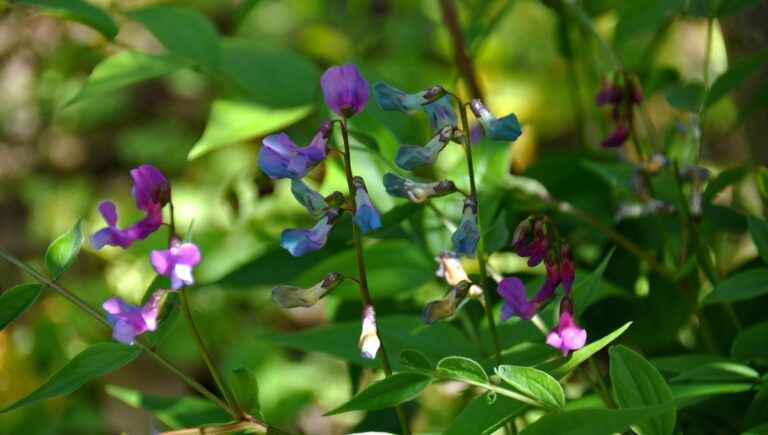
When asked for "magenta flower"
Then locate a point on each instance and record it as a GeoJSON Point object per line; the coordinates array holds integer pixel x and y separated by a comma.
{"type": "Point", "coordinates": [114, 236]}
{"type": "Point", "coordinates": [279, 157]}
{"type": "Point", "coordinates": [345, 90]}
{"type": "Point", "coordinates": [128, 320]}
{"type": "Point", "coordinates": [177, 263]}
{"type": "Point", "coordinates": [567, 335]}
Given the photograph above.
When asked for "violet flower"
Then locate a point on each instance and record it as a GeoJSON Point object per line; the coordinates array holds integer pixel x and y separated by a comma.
{"type": "Point", "coordinates": [366, 216]}
{"type": "Point", "coordinates": [345, 90]}
{"type": "Point", "coordinates": [516, 303]}
{"type": "Point", "coordinates": [467, 234]}
{"type": "Point", "coordinates": [302, 241]}
{"type": "Point", "coordinates": [567, 269]}
{"type": "Point", "coordinates": [128, 320]}
{"type": "Point", "coordinates": [177, 262]}
{"type": "Point", "coordinates": [279, 157]}
{"type": "Point", "coordinates": [506, 128]}
{"type": "Point", "coordinates": [150, 188]}
{"type": "Point", "coordinates": [617, 137]}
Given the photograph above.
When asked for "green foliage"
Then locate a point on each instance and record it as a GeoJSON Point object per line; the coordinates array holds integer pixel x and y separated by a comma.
{"type": "Point", "coordinates": [14, 301]}
{"type": "Point", "coordinates": [461, 368]}
{"type": "Point", "coordinates": [484, 415]}
{"type": "Point", "coordinates": [758, 229]}
{"type": "Point", "coordinates": [63, 251]}
{"type": "Point", "coordinates": [246, 388]}
{"type": "Point", "coordinates": [80, 11]}
{"type": "Point", "coordinates": [581, 355]}
{"type": "Point", "coordinates": [751, 342]}
{"type": "Point", "coordinates": [739, 287]}
{"type": "Point", "coordinates": [398, 388]}
{"type": "Point", "coordinates": [593, 421]}
{"type": "Point", "coordinates": [534, 383]}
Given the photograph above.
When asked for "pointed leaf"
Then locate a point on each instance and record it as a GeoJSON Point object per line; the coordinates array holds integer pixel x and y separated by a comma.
{"type": "Point", "coordinates": [483, 416]}
{"type": "Point", "coordinates": [534, 383]}
{"type": "Point", "coordinates": [414, 358]}
{"type": "Point", "coordinates": [592, 421]}
{"type": "Point", "coordinates": [585, 292]}
{"type": "Point", "coordinates": [751, 342]}
{"type": "Point", "coordinates": [758, 229]}
{"type": "Point", "coordinates": [80, 11]}
{"type": "Point", "coordinates": [390, 391]}
{"type": "Point", "coordinates": [736, 75]}
{"type": "Point", "coordinates": [63, 251]}
{"type": "Point", "coordinates": [246, 389]}
{"type": "Point", "coordinates": [741, 286]}
{"type": "Point", "coordinates": [719, 371]}
{"type": "Point", "coordinates": [15, 301]}
{"type": "Point", "coordinates": [585, 352]}
{"type": "Point", "coordinates": [461, 368]}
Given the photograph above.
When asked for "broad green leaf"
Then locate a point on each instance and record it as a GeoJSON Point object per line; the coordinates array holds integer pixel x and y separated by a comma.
{"type": "Point", "coordinates": [689, 394]}
{"type": "Point", "coordinates": [718, 371]}
{"type": "Point", "coordinates": [184, 32]}
{"type": "Point", "coordinates": [758, 229]}
{"type": "Point", "coordinates": [742, 286]}
{"type": "Point", "coordinates": [368, 140]}
{"type": "Point", "coordinates": [534, 383]}
{"type": "Point", "coordinates": [586, 292]}
{"type": "Point", "coordinates": [246, 389]}
{"type": "Point", "coordinates": [63, 251]}
{"type": "Point", "coordinates": [15, 301]}
{"type": "Point", "coordinates": [233, 121]}
{"type": "Point", "coordinates": [757, 430]}
{"type": "Point", "coordinates": [584, 353]}
{"type": "Point", "coordinates": [682, 363]}
{"type": "Point", "coordinates": [124, 69]}
{"type": "Point", "coordinates": [390, 391]}
{"type": "Point", "coordinates": [94, 362]}
{"type": "Point", "coordinates": [723, 180]}
{"type": "Point", "coordinates": [637, 383]}
{"type": "Point", "coordinates": [463, 369]}
{"type": "Point", "coordinates": [80, 11]}
{"type": "Point", "coordinates": [736, 75]}
{"type": "Point", "coordinates": [497, 235]}
{"type": "Point", "coordinates": [414, 358]}
{"type": "Point", "coordinates": [687, 97]}
{"type": "Point", "coordinates": [175, 412]}
{"type": "Point", "coordinates": [757, 412]}
{"type": "Point", "coordinates": [592, 421]}
{"type": "Point", "coordinates": [751, 342]}
{"type": "Point", "coordinates": [484, 415]}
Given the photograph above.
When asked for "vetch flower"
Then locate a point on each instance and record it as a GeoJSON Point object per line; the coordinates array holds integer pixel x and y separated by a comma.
{"type": "Point", "coordinates": [530, 240]}
{"type": "Point", "coordinates": [301, 241]}
{"type": "Point", "coordinates": [441, 114]}
{"type": "Point", "coordinates": [279, 157]}
{"type": "Point", "coordinates": [450, 269]}
{"type": "Point", "coordinates": [310, 199]}
{"type": "Point", "coordinates": [567, 335]}
{"type": "Point", "coordinates": [410, 157]}
{"type": "Point", "coordinates": [448, 305]}
{"type": "Point", "coordinates": [369, 342]}
{"type": "Point", "coordinates": [114, 236]}
{"type": "Point", "coordinates": [516, 301]}
{"type": "Point", "coordinates": [415, 191]}
{"type": "Point", "coordinates": [345, 90]}
{"type": "Point", "coordinates": [291, 297]}
{"type": "Point", "coordinates": [391, 98]}
{"type": "Point", "coordinates": [128, 320]}
{"type": "Point", "coordinates": [506, 128]}
{"type": "Point", "coordinates": [366, 216]}
{"type": "Point", "coordinates": [150, 188]}
{"type": "Point", "coordinates": [467, 234]}
{"type": "Point", "coordinates": [617, 137]}
{"type": "Point", "coordinates": [177, 262]}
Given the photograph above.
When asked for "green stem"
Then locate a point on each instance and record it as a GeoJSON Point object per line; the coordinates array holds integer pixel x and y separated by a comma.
{"type": "Point", "coordinates": [362, 277]}
{"type": "Point", "coordinates": [220, 383]}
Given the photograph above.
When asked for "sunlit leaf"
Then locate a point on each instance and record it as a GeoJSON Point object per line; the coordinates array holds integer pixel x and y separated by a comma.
{"type": "Point", "coordinates": [390, 391]}
{"type": "Point", "coordinates": [80, 11]}
{"type": "Point", "coordinates": [739, 287]}
{"type": "Point", "coordinates": [415, 359]}
{"type": "Point", "coordinates": [534, 383]}
{"type": "Point", "coordinates": [584, 353]}
{"type": "Point", "coordinates": [461, 368]}
{"type": "Point", "coordinates": [718, 371]}
{"type": "Point", "coordinates": [736, 75]}
{"type": "Point", "coordinates": [14, 301]}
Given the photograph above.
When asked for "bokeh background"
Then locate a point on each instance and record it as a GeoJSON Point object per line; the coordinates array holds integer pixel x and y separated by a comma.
{"type": "Point", "coordinates": [58, 160]}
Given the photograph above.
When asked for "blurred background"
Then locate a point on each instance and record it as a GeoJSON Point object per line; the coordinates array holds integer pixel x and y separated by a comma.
{"type": "Point", "coordinates": [59, 158]}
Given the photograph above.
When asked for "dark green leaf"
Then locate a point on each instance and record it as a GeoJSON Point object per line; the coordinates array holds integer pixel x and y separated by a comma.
{"type": "Point", "coordinates": [751, 342]}
{"type": "Point", "coordinates": [463, 369]}
{"type": "Point", "coordinates": [637, 383]}
{"type": "Point", "coordinates": [15, 301]}
{"type": "Point", "coordinates": [732, 7]}
{"type": "Point", "coordinates": [757, 413]}
{"type": "Point", "coordinates": [497, 235]}
{"type": "Point", "coordinates": [739, 287]}
{"type": "Point", "coordinates": [690, 394]}
{"type": "Point", "coordinates": [185, 32]}
{"type": "Point", "coordinates": [682, 363]}
{"type": "Point", "coordinates": [687, 97]}
{"type": "Point", "coordinates": [758, 229]}
{"type": "Point", "coordinates": [586, 291]}
{"type": "Point", "coordinates": [94, 362]}
{"type": "Point", "coordinates": [584, 353]}
{"type": "Point", "coordinates": [414, 358]}
{"type": "Point", "coordinates": [395, 389]}
{"type": "Point", "coordinates": [484, 415]}
{"type": "Point", "coordinates": [63, 251]}
{"type": "Point", "coordinates": [592, 421]}
{"type": "Point", "coordinates": [718, 371]}
{"type": "Point", "coordinates": [758, 430]}
{"type": "Point", "coordinates": [366, 139]}
{"type": "Point", "coordinates": [723, 180]}
{"type": "Point", "coordinates": [246, 389]}
{"type": "Point", "coordinates": [762, 182]}
{"type": "Point", "coordinates": [736, 75]}
{"type": "Point", "coordinates": [534, 383]}
{"type": "Point", "coordinates": [80, 11]}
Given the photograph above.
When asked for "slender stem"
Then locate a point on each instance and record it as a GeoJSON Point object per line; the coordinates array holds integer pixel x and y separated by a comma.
{"type": "Point", "coordinates": [481, 257]}
{"type": "Point", "coordinates": [223, 387]}
{"type": "Point", "coordinates": [362, 277]}
{"type": "Point", "coordinates": [463, 61]}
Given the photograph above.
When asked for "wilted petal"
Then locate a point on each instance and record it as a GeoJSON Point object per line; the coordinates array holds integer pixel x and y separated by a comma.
{"type": "Point", "coordinates": [506, 128]}
{"type": "Point", "coordinates": [450, 268]}
{"type": "Point", "coordinates": [410, 157]}
{"type": "Point", "coordinates": [310, 199]}
{"type": "Point", "coordinates": [441, 114]}
{"type": "Point", "coordinates": [345, 90]}
{"type": "Point", "coordinates": [369, 342]}
{"type": "Point", "coordinates": [366, 216]}
{"type": "Point", "coordinates": [279, 157]}
{"type": "Point", "coordinates": [416, 191]}
{"type": "Point", "coordinates": [467, 234]}
{"type": "Point", "coordinates": [448, 305]}
{"type": "Point", "coordinates": [291, 297]}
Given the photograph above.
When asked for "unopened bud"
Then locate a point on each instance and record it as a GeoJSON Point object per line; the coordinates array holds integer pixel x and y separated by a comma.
{"type": "Point", "coordinates": [369, 342]}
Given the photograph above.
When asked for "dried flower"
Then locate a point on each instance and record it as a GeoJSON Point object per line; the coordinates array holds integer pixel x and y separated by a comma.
{"type": "Point", "coordinates": [369, 342]}
{"type": "Point", "coordinates": [448, 305]}
{"type": "Point", "coordinates": [291, 297]}
{"type": "Point", "coordinates": [415, 191]}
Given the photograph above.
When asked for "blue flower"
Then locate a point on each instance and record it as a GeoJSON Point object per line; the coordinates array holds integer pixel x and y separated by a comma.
{"type": "Point", "coordinates": [366, 216]}
{"type": "Point", "coordinates": [467, 235]}
{"type": "Point", "coordinates": [279, 157]}
{"type": "Point", "coordinates": [310, 199]}
{"type": "Point", "coordinates": [441, 113]}
{"type": "Point", "coordinates": [410, 157]}
{"type": "Point", "coordinates": [434, 101]}
{"type": "Point", "coordinates": [416, 191]}
{"type": "Point", "coordinates": [301, 241]}
{"type": "Point", "coordinates": [506, 128]}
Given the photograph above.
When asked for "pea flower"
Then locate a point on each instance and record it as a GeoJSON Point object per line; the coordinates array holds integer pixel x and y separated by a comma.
{"type": "Point", "coordinates": [516, 303]}
{"type": "Point", "coordinates": [279, 157]}
{"type": "Point", "coordinates": [345, 90]}
{"type": "Point", "coordinates": [567, 335]}
{"type": "Point", "coordinates": [302, 241]}
{"type": "Point", "coordinates": [392, 99]}
{"type": "Point", "coordinates": [128, 320]}
{"type": "Point", "coordinates": [291, 297]}
{"type": "Point", "coordinates": [621, 95]}
{"type": "Point", "coordinates": [506, 128]}
{"type": "Point", "coordinates": [410, 157]}
{"type": "Point", "coordinates": [150, 188]}
{"type": "Point", "coordinates": [440, 113]}
{"type": "Point", "coordinates": [310, 199]}
{"type": "Point", "coordinates": [369, 342]}
{"type": "Point", "coordinates": [177, 262]}
{"type": "Point", "coordinates": [448, 305]}
{"type": "Point", "coordinates": [450, 269]}
{"type": "Point", "coordinates": [415, 191]}
{"type": "Point", "coordinates": [530, 240]}
{"type": "Point", "coordinates": [366, 216]}
{"type": "Point", "coordinates": [617, 137]}
{"type": "Point", "coordinates": [467, 234]}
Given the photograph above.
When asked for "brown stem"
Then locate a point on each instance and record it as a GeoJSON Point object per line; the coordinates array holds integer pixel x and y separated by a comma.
{"type": "Point", "coordinates": [463, 61]}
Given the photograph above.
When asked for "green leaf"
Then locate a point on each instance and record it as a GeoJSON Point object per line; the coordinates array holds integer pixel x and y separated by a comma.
{"type": "Point", "coordinates": [463, 369]}
{"type": "Point", "coordinates": [758, 229]}
{"type": "Point", "coordinates": [586, 292]}
{"type": "Point", "coordinates": [758, 430]}
{"type": "Point", "coordinates": [723, 180]}
{"type": "Point", "coordinates": [80, 11]}
{"type": "Point", "coordinates": [732, 7]}
{"type": "Point", "coordinates": [63, 251]}
{"type": "Point", "coordinates": [367, 140]}
{"type": "Point", "coordinates": [484, 415]}
{"type": "Point", "coordinates": [751, 342]}
{"type": "Point", "coordinates": [718, 371]}
{"type": "Point", "coordinates": [185, 32]}
{"type": "Point", "coordinates": [585, 352]}
{"type": "Point", "coordinates": [233, 121]}
{"type": "Point", "coordinates": [690, 394]}
{"type": "Point", "coordinates": [175, 412]}
{"type": "Point", "coordinates": [736, 75]}
{"type": "Point", "coordinates": [740, 287]}
{"type": "Point", "coordinates": [124, 69]}
{"type": "Point", "coordinates": [246, 389]}
{"type": "Point", "coordinates": [390, 391]}
{"type": "Point", "coordinates": [761, 174]}
{"type": "Point", "coordinates": [15, 301]}
{"type": "Point", "coordinates": [687, 97]}
{"type": "Point", "coordinates": [636, 383]}
{"type": "Point", "coordinates": [415, 359]}
{"type": "Point", "coordinates": [534, 383]}
{"type": "Point", "coordinates": [682, 363]}
{"type": "Point", "coordinates": [497, 235]}
{"type": "Point", "coordinates": [94, 362]}
{"type": "Point", "coordinates": [757, 412]}
{"type": "Point", "coordinates": [592, 421]}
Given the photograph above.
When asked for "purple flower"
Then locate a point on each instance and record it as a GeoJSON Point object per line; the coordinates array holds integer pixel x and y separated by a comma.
{"type": "Point", "coordinates": [345, 90]}
{"type": "Point", "coordinates": [301, 241]}
{"type": "Point", "coordinates": [177, 263]}
{"type": "Point", "coordinates": [506, 128]}
{"type": "Point", "coordinates": [366, 216]}
{"type": "Point", "coordinates": [410, 157]}
{"type": "Point", "coordinates": [516, 301]}
{"type": "Point", "coordinates": [128, 320]}
{"type": "Point", "coordinates": [114, 236]}
{"type": "Point", "coordinates": [279, 157]}
{"type": "Point", "coordinates": [567, 335]}
{"type": "Point", "coordinates": [467, 234]}
{"type": "Point", "coordinates": [617, 138]}
{"type": "Point", "coordinates": [150, 188]}
{"type": "Point", "coordinates": [533, 244]}
{"type": "Point", "coordinates": [609, 94]}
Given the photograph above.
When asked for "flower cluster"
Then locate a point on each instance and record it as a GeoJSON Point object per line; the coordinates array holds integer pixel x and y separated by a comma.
{"type": "Point", "coordinates": [151, 192]}
{"type": "Point", "coordinates": [622, 94]}
{"type": "Point", "coordinates": [536, 239]}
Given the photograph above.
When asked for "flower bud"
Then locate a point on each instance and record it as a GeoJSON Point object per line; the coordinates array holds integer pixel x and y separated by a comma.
{"type": "Point", "coordinates": [369, 342]}
{"type": "Point", "coordinates": [292, 297]}
{"type": "Point", "coordinates": [345, 90]}
{"type": "Point", "coordinates": [506, 128]}
{"type": "Point", "coordinates": [366, 216]}
{"type": "Point", "coordinates": [467, 234]}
